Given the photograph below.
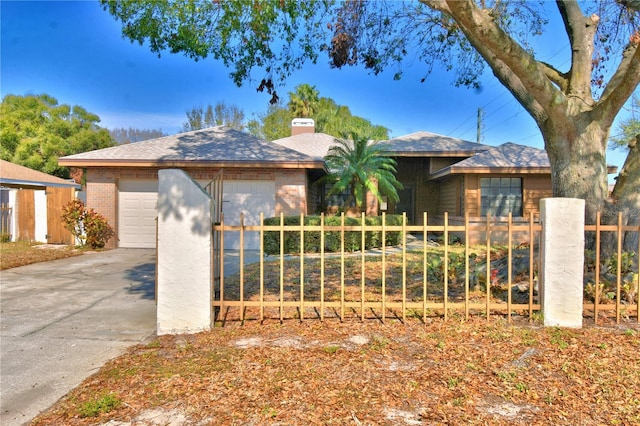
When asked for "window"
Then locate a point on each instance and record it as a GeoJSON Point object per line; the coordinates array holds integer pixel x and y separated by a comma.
{"type": "Point", "coordinates": [499, 196]}
{"type": "Point", "coordinates": [337, 200]}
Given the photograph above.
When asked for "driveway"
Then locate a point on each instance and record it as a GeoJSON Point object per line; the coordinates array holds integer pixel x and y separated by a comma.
{"type": "Point", "coordinates": [61, 321]}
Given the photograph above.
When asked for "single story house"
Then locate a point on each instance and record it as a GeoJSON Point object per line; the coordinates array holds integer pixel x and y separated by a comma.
{"type": "Point", "coordinates": [440, 174]}
{"type": "Point", "coordinates": [259, 176]}
{"type": "Point", "coordinates": [32, 203]}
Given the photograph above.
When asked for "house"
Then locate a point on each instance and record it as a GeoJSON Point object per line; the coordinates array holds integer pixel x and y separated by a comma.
{"type": "Point", "coordinates": [440, 174]}
{"type": "Point", "coordinates": [258, 177]}
{"type": "Point", "coordinates": [32, 204]}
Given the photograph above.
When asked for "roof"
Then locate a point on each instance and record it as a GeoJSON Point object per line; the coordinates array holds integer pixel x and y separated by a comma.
{"type": "Point", "coordinates": [508, 157]}
{"type": "Point", "coordinates": [315, 145]}
{"type": "Point", "coordinates": [19, 176]}
{"type": "Point", "coordinates": [216, 146]}
{"type": "Point", "coordinates": [417, 144]}
{"type": "Point", "coordinates": [422, 144]}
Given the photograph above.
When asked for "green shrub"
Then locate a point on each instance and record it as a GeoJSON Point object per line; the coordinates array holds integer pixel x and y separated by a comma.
{"type": "Point", "coordinates": [332, 241]}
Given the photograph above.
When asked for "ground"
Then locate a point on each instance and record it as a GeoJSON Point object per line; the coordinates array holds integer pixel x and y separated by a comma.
{"type": "Point", "coordinates": [458, 371]}
{"type": "Point", "coordinates": [24, 253]}
{"type": "Point", "coordinates": [368, 373]}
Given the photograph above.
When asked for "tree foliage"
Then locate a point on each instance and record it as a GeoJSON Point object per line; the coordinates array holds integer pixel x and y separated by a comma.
{"type": "Point", "coordinates": [36, 131]}
{"type": "Point", "coordinates": [131, 135]}
{"type": "Point", "coordinates": [358, 165]}
{"type": "Point", "coordinates": [219, 115]}
{"type": "Point", "coordinates": [329, 117]}
{"type": "Point", "coordinates": [628, 129]}
{"type": "Point", "coordinates": [574, 105]}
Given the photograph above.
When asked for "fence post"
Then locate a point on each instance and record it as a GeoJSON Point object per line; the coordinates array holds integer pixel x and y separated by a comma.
{"type": "Point", "coordinates": [184, 255]}
{"type": "Point", "coordinates": [562, 261]}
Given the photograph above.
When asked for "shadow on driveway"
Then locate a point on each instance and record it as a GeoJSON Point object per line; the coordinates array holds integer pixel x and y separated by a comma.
{"type": "Point", "coordinates": [143, 280]}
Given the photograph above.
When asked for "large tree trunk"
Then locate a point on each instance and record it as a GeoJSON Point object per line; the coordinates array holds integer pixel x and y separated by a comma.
{"type": "Point", "coordinates": [577, 154]}
{"type": "Point", "coordinates": [626, 195]}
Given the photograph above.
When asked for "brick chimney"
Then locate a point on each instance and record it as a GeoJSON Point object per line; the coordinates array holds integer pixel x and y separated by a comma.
{"type": "Point", "coordinates": [302, 125]}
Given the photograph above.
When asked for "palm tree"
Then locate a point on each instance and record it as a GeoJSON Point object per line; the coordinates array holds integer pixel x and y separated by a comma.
{"type": "Point", "coordinates": [303, 101]}
{"type": "Point", "coordinates": [360, 166]}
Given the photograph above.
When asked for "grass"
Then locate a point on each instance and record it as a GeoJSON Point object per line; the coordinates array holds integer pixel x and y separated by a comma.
{"type": "Point", "coordinates": [23, 253]}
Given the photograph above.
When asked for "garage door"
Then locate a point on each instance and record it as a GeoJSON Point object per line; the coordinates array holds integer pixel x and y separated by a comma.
{"type": "Point", "coordinates": [250, 198]}
{"type": "Point", "coordinates": [137, 211]}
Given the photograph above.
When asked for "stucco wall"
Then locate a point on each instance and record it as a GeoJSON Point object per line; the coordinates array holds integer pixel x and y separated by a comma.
{"type": "Point", "coordinates": [184, 255]}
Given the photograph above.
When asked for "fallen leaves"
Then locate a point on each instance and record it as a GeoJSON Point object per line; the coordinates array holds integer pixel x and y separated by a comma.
{"type": "Point", "coordinates": [313, 372]}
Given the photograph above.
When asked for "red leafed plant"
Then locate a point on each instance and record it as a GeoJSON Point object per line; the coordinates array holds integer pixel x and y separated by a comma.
{"type": "Point", "coordinates": [89, 227]}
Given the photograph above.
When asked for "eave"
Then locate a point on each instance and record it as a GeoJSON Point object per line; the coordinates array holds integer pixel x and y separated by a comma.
{"type": "Point", "coordinates": [192, 164]}
{"type": "Point", "coordinates": [451, 170]}
{"type": "Point", "coordinates": [30, 184]}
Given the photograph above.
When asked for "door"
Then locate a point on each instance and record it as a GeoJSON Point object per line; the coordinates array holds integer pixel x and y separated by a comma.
{"type": "Point", "coordinates": [406, 203]}
{"type": "Point", "coordinates": [250, 198]}
{"type": "Point", "coordinates": [137, 212]}
{"type": "Point", "coordinates": [57, 199]}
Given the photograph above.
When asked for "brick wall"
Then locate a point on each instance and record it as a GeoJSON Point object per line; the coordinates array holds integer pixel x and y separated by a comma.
{"type": "Point", "coordinates": [102, 188]}
{"type": "Point", "coordinates": [291, 197]}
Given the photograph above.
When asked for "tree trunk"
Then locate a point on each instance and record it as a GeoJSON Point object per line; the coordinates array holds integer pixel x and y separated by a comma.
{"type": "Point", "coordinates": [577, 155]}
{"type": "Point", "coordinates": [626, 195]}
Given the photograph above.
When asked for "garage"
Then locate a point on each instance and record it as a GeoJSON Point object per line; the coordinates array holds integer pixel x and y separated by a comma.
{"type": "Point", "coordinates": [137, 201]}
{"type": "Point", "coordinates": [250, 198]}
{"type": "Point", "coordinates": [259, 177]}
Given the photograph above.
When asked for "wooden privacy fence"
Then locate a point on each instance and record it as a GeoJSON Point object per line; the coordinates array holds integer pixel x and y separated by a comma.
{"type": "Point", "coordinates": [427, 274]}
{"type": "Point", "coordinates": [6, 212]}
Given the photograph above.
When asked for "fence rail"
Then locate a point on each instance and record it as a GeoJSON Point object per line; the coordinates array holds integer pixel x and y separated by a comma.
{"type": "Point", "coordinates": [426, 275]}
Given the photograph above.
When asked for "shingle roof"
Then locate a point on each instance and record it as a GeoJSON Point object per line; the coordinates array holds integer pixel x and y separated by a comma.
{"type": "Point", "coordinates": [423, 143]}
{"type": "Point", "coordinates": [212, 146]}
{"type": "Point", "coordinates": [508, 156]}
{"type": "Point", "coordinates": [16, 175]}
{"type": "Point", "coordinates": [315, 145]}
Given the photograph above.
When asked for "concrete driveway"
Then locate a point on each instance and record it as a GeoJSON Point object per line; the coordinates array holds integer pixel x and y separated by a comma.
{"type": "Point", "coordinates": [61, 321]}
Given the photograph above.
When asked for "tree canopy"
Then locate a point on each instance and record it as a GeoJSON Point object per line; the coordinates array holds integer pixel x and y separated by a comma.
{"type": "Point", "coordinates": [329, 117]}
{"type": "Point", "coordinates": [219, 115]}
{"type": "Point", "coordinates": [35, 131]}
{"type": "Point", "coordinates": [130, 135]}
{"type": "Point", "coordinates": [573, 105]}
{"type": "Point", "coordinates": [629, 129]}
{"type": "Point", "coordinates": [358, 165]}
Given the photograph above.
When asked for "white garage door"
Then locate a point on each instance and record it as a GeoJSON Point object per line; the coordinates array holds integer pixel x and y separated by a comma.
{"type": "Point", "coordinates": [137, 211]}
{"type": "Point", "coordinates": [250, 198]}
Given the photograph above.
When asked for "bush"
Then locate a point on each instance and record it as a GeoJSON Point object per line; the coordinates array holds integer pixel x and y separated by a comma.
{"type": "Point", "coordinates": [332, 240]}
{"type": "Point", "coordinates": [86, 225]}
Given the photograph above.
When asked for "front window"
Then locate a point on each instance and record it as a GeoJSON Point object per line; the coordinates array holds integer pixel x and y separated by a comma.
{"type": "Point", "coordinates": [337, 200]}
{"type": "Point", "coordinates": [499, 196]}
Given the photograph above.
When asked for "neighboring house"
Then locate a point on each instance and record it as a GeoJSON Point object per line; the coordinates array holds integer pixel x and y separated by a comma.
{"type": "Point", "coordinates": [439, 174]}
{"type": "Point", "coordinates": [34, 201]}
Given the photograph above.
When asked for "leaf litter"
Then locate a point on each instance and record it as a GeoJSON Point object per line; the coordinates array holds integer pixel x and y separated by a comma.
{"type": "Point", "coordinates": [366, 373]}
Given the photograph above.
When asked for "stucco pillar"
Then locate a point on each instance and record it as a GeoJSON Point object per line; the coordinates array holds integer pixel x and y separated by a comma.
{"type": "Point", "coordinates": [184, 255]}
{"type": "Point", "coordinates": [562, 261]}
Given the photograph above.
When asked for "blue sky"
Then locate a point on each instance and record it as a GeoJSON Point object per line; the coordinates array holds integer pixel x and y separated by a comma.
{"type": "Point", "coordinates": [74, 52]}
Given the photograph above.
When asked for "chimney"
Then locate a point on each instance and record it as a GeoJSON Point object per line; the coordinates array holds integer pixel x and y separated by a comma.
{"type": "Point", "coordinates": [302, 125]}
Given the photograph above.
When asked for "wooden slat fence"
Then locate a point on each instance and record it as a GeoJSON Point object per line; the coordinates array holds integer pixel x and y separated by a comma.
{"type": "Point", "coordinates": [6, 212]}
{"type": "Point", "coordinates": [426, 275]}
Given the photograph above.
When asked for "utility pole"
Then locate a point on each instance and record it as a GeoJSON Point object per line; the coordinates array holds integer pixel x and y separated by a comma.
{"type": "Point", "coordinates": [479, 125]}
